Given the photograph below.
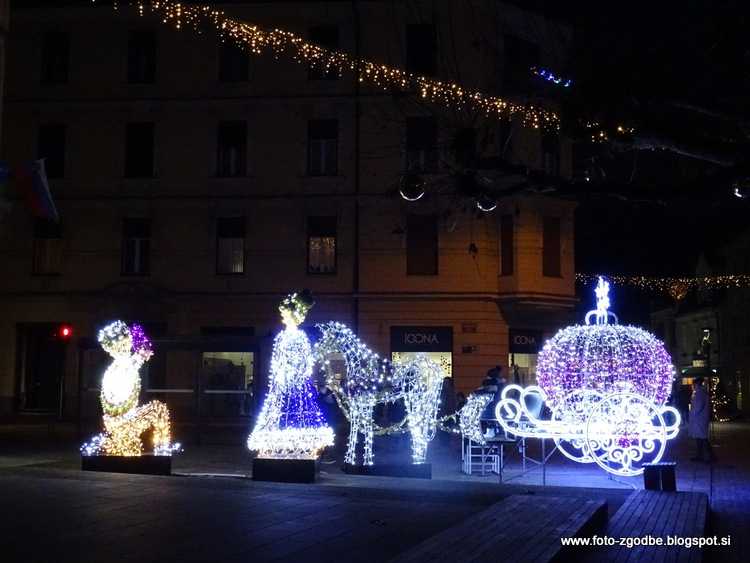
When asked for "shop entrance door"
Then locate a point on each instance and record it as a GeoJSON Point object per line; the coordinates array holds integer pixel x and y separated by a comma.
{"type": "Point", "coordinates": [41, 363]}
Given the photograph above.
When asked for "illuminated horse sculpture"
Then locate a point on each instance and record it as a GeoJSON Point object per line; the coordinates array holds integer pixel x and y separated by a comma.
{"type": "Point", "coordinates": [371, 380]}
{"type": "Point", "coordinates": [124, 420]}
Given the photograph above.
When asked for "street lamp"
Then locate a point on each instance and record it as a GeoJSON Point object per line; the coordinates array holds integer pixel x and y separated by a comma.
{"type": "Point", "coordinates": [706, 349]}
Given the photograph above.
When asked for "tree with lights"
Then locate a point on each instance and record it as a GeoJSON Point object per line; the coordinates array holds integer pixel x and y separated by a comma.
{"type": "Point", "coordinates": [291, 424]}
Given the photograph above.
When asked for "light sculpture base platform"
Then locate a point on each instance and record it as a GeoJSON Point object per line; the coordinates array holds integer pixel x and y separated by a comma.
{"type": "Point", "coordinates": [285, 470]}
{"type": "Point", "coordinates": [416, 470]}
{"type": "Point", "coordinates": [143, 465]}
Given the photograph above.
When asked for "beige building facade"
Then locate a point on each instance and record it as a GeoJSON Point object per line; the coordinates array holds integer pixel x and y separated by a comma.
{"type": "Point", "coordinates": [196, 184]}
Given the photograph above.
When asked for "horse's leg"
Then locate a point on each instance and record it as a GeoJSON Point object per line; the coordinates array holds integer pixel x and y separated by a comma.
{"type": "Point", "coordinates": [354, 422]}
{"type": "Point", "coordinates": [368, 429]}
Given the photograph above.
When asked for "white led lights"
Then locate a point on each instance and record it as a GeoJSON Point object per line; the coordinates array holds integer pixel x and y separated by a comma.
{"type": "Point", "coordinates": [291, 424]}
{"type": "Point", "coordinates": [371, 380]}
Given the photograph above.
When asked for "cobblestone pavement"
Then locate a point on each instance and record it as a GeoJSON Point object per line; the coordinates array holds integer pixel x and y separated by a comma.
{"type": "Point", "coordinates": [210, 510]}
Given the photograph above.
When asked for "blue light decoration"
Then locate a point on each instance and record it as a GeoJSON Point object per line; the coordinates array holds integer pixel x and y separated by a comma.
{"type": "Point", "coordinates": [291, 424]}
{"type": "Point", "coordinates": [606, 386]}
{"type": "Point", "coordinates": [547, 75]}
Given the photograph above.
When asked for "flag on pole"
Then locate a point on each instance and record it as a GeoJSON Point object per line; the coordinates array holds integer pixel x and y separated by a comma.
{"type": "Point", "coordinates": [32, 179]}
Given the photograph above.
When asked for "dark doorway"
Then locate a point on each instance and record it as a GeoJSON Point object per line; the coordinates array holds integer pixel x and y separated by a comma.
{"type": "Point", "coordinates": [41, 364]}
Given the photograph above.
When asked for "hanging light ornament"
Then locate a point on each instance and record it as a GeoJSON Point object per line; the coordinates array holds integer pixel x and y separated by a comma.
{"type": "Point", "coordinates": [411, 186]}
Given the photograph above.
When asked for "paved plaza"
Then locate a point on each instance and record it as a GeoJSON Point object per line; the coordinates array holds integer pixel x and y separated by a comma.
{"type": "Point", "coordinates": [209, 509]}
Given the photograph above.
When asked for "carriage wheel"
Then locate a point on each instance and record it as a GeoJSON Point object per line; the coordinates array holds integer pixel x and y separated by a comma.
{"type": "Point", "coordinates": [623, 432]}
{"type": "Point", "coordinates": [572, 416]}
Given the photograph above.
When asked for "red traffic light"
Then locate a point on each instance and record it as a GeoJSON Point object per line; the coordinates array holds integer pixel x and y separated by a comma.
{"type": "Point", "coordinates": [65, 332]}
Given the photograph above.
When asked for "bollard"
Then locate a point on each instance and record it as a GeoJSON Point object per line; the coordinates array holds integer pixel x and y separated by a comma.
{"type": "Point", "coordinates": [659, 476]}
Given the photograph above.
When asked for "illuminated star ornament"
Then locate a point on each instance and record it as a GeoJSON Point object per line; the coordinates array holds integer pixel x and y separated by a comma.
{"type": "Point", "coordinates": [291, 424]}
{"type": "Point", "coordinates": [125, 421]}
{"type": "Point", "coordinates": [607, 386]}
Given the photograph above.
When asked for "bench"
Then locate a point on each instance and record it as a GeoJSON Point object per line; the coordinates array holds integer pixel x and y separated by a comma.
{"type": "Point", "coordinates": [518, 528]}
{"type": "Point", "coordinates": [656, 514]}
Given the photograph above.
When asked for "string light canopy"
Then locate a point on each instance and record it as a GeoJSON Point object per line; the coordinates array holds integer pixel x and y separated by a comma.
{"type": "Point", "coordinates": [125, 421]}
{"type": "Point", "coordinates": [259, 40]}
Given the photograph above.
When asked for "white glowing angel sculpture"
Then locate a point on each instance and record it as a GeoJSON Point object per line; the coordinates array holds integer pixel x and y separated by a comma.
{"type": "Point", "coordinates": [291, 424]}
{"type": "Point", "coordinates": [124, 420]}
{"type": "Point", "coordinates": [606, 387]}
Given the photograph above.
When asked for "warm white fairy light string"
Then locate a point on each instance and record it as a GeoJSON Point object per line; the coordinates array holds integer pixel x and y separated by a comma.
{"type": "Point", "coordinates": [371, 380]}
{"type": "Point", "coordinates": [124, 421]}
{"type": "Point", "coordinates": [677, 288]}
{"type": "Point", "coordinates": [291, 424]}
{"type": "Point", "coordinates": [259, 40]}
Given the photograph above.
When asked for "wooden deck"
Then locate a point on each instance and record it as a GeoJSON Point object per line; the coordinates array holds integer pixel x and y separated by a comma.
{"type": "Point", "coordinates": [519, 528]}
{"type": "Point", "coordinates": [655, 514]}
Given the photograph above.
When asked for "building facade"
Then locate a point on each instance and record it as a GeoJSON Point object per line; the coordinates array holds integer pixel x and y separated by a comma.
{"type": "Point", "coordinates": [197, 178]}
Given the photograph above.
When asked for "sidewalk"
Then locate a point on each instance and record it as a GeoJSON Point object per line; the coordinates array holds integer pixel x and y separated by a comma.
{"type": "Point", "coordinates": [210, 510]}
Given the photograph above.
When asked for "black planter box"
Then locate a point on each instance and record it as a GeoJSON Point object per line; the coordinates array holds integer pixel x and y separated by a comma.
{"type": "Point", "coordinates": [416, 470]}
{"type": "Point", "coordinates": [144, 465]}
{"type": "Point", "coordinates": [285, 470]}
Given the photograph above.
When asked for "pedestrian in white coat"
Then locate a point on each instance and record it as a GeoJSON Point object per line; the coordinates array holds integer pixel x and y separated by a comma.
{"type": "Point", "coordinates": [700, 415]}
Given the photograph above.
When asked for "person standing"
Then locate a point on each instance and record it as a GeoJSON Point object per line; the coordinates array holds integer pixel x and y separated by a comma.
{"type": "Point", "coordinates": [700, 415]}
{"type": "Point", "coordinates": [492, 385]}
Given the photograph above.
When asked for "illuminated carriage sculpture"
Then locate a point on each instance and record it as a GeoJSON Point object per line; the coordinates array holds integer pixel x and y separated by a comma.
{"type": "Point", "coordinates": [606, 386]}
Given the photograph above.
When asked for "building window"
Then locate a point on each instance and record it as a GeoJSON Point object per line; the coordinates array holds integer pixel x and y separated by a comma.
{"type": "Point", "coordinates": [421, 49]}
{"type": "Point", "coordinates": [520, 56]}
{"type": "Point", "coordinates": [47, 247]}
{"type": "Point", "coordinates": [421, 144]}
{"type": "Point", "coordinates": [231, 145]}
{"type": "Point", "coordinates": [51, 147]}
{"type": "Point", "coordinates": [422, 245]}
{"type": "Point", "coordinates": [322, 147]}
{"type": "Point", "coordinates": [142, 56]}
{"type": "Point", "coordinates": [230, 245]}
{"type": "Point", "coordinates": [234, 62]}
{"type": "Point", "coordinates": [506, 245]}
{"type": "Point", "coordinates": [550, 152]}
{"type": "Point", "coordinates": [136, 247]}
{"type": "Point", "coordinates": [321, 245]}
{"type": "Point", "coordinates": [55, 58]}
{"type": "Point", "coordinates": [505, 140]}
{"type": "Point", "coordinates": [551, 248]}
{"type": "Point", "coordinates": [328, 37]}
{"type": "Point", "coordinates": [139, 150]}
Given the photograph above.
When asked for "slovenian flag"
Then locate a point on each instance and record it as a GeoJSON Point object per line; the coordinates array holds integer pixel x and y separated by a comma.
{"type": "Point", "coordinates": [32, 179]}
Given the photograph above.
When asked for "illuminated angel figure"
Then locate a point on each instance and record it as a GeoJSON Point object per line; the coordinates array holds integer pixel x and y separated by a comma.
{"type": "Point", "coordinates": [124, 420]}
{"type": "Point", "coordinates": [291, 424]}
